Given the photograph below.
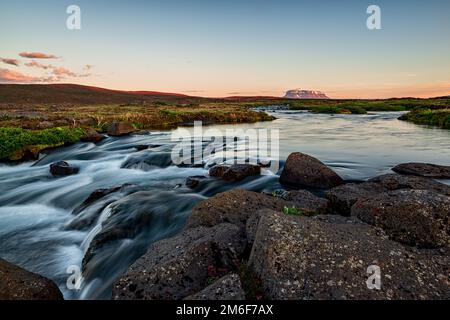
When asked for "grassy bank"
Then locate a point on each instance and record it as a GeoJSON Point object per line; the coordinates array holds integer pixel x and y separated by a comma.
{"type": "Point", "coordinates": [142, 116]}
{"type": "Point", "coordinates": [439, 118]}
{"type": "Point", "coordinates": [18, 143]}
{"type": "Point", "coordinates": [25, 130]}
{"type": "Point", "coordinates": [364, 106]}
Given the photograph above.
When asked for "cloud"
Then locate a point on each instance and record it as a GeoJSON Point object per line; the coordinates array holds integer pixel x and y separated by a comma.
{"type": "Point", "coordinates": [57, 73]}
{"type": "Point", "coordinates": [35, 64]}
{"type": "Point", "coordinates": [13, 62]}
{"type": "Point", "coordinates": [37, 55]}
{"type": "Point", "coordinates": [63, 72]}
{"type": "Point", "coordinates": [15, 76]}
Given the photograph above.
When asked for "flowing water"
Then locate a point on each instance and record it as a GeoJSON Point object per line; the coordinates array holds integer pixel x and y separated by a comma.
{"type": "Point", "coordinates": [39, 231]}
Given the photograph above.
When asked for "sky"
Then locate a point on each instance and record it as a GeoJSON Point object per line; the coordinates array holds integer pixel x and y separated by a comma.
{"type": "Point", "coordinates": [234, 47]}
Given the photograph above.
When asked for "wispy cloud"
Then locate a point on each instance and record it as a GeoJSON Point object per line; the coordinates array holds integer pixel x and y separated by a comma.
{"type": "Point", "coordinates": [15, 76]}
{"type": "Point", "coordinates": [13, 62]}
{"type": "Point", "coordinates": [35, 64]}
{"type": "Point", "coordinates": [37, 55]}
{"type": "Point", "coordinates": [57, 73]}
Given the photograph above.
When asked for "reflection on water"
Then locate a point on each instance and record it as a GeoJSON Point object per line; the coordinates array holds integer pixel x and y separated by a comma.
{"type": "Point", "coordinates": [35, 208]}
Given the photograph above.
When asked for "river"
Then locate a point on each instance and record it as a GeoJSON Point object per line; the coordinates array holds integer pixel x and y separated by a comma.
{"type": "Point", "coordinates": [36, 208]}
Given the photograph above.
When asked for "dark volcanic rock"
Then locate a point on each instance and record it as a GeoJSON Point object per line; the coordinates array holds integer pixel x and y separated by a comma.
{"type": "Point", "coordinates": [194, 181]}
{"type": "Point", "coordinates": [424, 169]}
{"type": "Point", "coordinates": [233, 206]}
{"type": "Point", "coordinates": [120, 129]}
{"type": "Point", "coordinates": [18, 284]}
{"type": "Point", "coordinates": [342, 198]}
{"type": "Point", "coordinates": [181, 266]}
{"type": "Point", "coordinates": [228, 287]}
{"type": "Point", "coordinates": [88, 212]}
{"type": "Point", "coordinates": [303, 170]}
{"type": "Point", "coordinates": [147, 160]}
{"type": "Point", "coordinates": [413, 217]}
{"type": "Point", "coordinates": [398, 181]}
{"type": "Point", "coordinates": [327, 257]}
{"type": "Point", "coordinates": [306, 201]}
{"type": "Point", "coordinates": [218, 171]}
{"type": "Point", "coordinates": [239, 172]}
{"type": "Point", "coordinates": [62, 168]}
{"type": "Point", "coordinates": [92, 135]}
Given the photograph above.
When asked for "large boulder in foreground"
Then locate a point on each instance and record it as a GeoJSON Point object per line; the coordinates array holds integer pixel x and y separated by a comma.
{"type": "Point", "coordinates": [181, 266]}
{"type": "Point", "coordinates": [228, 287]}
{"type": "Point", "coordinates": [62, 168]}
{"type": "Point", "coordinates": [327, 257]}
{"type": "Point", "coordinates": [306, 171]}
{"type": "Point", "coordinates": [19, 284]}
{"type": "Point", "coordinates": [237, 206]}
{"type": "Point", "coordinates": [118, 129]}
{"type": "Point", "coordinates": [423, 169]}
{"type": "Point", "coordinates": [234, 206]}
{"type": "Point", "coordinates": [414, 217]}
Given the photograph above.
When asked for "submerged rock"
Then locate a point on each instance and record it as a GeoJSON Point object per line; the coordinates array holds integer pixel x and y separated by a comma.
{"type": "Point", "coordinates": [120, 129]}
{"type": "Point", "coordinates": [181, 266]}
{"type": "Point", "coordinates": [327, 257]}
{"type": "Point", "coordinates": [413, 217]}
{"type": "Point", "coordinates": [89, 211]}
{"type": "Point", "coordinates": [147, 160]}
{"type": "Point", "coordinates": [62, 168]}
{"type": "Point", "coordinates": [228, 287]}
{"type": "Point", "coordinates": [19, 284]}
{"type": "Point", "coordinates": [136, 216]}
{"type": "Point", "coordinates": [194, 181]}
{"type": "Point", "coordinates": [424, 169]}
{"type": "Point", "coordinates": [306, 171]}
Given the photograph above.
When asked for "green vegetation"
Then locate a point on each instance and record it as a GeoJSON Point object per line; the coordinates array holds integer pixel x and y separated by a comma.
{"type": "Point", "coordinates": [439, 118]}
{"type": "Point", "coordinates": [142, 116]}
{"type": "Point", "coordinates": [363, 106]}
{"type": "Point", "coordinates": [292, 211]}
{"type": "Point", "coordinates": [16, 141]}
{"type": "Point", "coordinates": [339, 110]}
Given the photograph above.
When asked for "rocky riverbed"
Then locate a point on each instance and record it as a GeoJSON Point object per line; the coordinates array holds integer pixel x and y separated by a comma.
{"type": "Point", "coordinates": [241, 244]}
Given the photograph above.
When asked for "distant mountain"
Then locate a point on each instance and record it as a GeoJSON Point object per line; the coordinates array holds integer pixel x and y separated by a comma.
{"type": "Point", "coordinates": [79, 94]}
{"type": "Point", "coordinates": [305, 94]}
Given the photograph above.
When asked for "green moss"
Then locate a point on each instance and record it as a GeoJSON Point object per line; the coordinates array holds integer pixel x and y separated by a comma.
{"type": "Point", "coordinates": [15, 141]}
{"type": "Point", "coordinates": [439, 118]}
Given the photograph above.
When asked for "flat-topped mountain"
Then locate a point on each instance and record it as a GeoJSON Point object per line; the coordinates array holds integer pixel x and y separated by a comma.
{"type": "Point", "coordinates": [305, 94]}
